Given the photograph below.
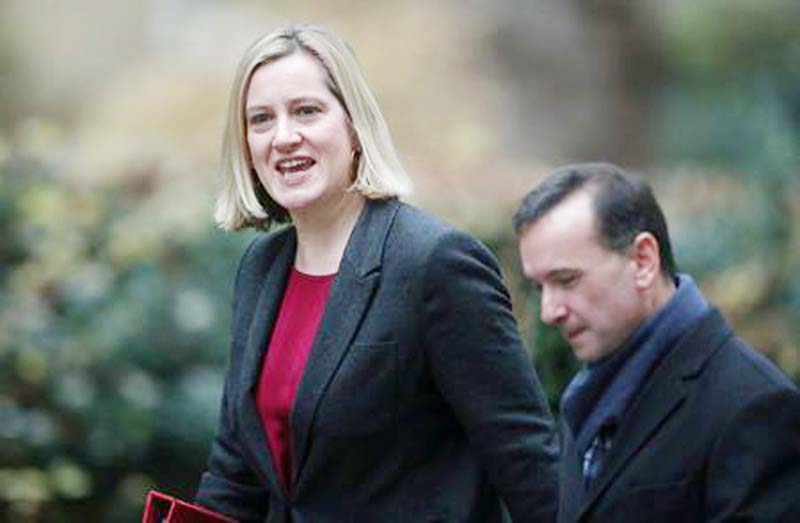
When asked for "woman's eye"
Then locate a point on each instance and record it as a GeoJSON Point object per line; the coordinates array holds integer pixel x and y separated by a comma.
{"type": "Point", "coordinates": [307, 110]}
{"type": "Point", "coordinates": [260, 118]}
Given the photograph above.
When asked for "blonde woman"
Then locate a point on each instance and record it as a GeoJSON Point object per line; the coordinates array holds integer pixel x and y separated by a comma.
{"type": "Point", "coordinates": [376, 373]}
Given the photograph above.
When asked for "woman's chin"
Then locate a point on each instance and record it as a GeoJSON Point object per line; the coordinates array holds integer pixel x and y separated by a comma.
{"type": "Point", "coordinates": [296, 200]}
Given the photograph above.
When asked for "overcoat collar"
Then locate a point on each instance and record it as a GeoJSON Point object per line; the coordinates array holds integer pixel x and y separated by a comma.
{"type": "Point", "coordinates": [349, 298]}
{"type": "Point", "coordinates": [661, 397]}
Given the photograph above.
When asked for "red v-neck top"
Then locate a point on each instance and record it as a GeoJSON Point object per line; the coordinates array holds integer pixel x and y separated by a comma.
{"type": "Point", "coordinates": [297, 323]}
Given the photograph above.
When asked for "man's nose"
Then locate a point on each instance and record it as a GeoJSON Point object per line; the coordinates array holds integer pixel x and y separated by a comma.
{"type": "Point", "coordinates": [553, 310]}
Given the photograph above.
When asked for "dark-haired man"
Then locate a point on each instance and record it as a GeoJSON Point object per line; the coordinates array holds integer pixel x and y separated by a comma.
{"type": "Point", "coordinates": [673, 418]}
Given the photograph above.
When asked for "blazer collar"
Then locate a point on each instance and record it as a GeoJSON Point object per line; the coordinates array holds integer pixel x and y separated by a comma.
{"type": "Point", "coordinates": [349, 298]}
{"type": "Point", "coordinates": [661, 397]}
{"type": "Point", "coordinates": [364, 250]}
{"type": "Point", "coordinates": [271, 291]}
{"type": "Point", "coordinates": [362, 257]}
{"type": "Point", "coordinates": [277, 265]}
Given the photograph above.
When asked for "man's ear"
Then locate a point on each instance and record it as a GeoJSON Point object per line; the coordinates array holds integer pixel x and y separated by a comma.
{"type": "Point", "coordinates": [645, 254]}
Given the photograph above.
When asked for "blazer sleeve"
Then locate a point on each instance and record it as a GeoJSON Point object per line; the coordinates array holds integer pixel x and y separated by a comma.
{"type": "Point", "coordinates": [483, 371]}
{"type": "Point", "coordinates": [754, 472]}
{"type": "Point", "coordinates": [229, 485]}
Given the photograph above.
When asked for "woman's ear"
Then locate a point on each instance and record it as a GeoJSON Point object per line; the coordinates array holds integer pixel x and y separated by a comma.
{"type": "Point", "coordinates": [646, 256]}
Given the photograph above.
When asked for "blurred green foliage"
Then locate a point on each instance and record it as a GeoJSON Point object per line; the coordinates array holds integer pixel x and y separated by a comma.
{"type": "Point", "coordinates": [111, 354]}
{"type": "Point", "coordinates": [733, 106]}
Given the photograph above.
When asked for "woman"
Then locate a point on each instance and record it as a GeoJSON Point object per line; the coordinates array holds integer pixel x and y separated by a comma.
{"type": "Point", "coordinates": [376, 372]}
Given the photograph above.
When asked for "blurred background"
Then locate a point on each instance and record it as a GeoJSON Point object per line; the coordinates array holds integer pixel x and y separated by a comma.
{"type": "Point", "coordinates": [115, 286]}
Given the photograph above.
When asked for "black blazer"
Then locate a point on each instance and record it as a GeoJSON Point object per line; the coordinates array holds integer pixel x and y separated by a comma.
{"type": "Point", "coordinates": [418, 402]}
{"type": "Point", "coordinates": [713, 436]}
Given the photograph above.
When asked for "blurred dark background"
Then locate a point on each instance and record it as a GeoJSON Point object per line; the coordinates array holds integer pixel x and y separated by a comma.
{"type": "Point", "coordinates": [115, 287]}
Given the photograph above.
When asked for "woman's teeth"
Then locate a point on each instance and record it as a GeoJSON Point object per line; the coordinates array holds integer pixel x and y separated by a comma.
{"type": "Point", "coordinates": [294, 164]}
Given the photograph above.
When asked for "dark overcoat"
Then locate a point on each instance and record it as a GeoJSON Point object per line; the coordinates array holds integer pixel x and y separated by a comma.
{"type": "Point", "coordinates": [714, 435]}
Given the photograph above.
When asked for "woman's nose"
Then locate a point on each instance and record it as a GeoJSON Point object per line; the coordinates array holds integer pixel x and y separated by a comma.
{"type": "Point", "coordinates": [286, 135]}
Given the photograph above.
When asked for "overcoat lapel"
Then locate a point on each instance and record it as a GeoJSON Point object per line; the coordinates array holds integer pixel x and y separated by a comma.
{"type": "Point", "coordinates": [661, 397]}
{"type": "Point", "coordinates": [571, 473]}
{"type": "Point", "coordinates": [641, 424]}
{"type": "Point", "coordinates": [349, 298]}
{"type": "Point", "coordinates": [264, 316]}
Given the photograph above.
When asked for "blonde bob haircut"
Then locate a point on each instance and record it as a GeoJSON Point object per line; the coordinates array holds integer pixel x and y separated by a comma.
{"type": "Point", "coordinates": [378, 174]}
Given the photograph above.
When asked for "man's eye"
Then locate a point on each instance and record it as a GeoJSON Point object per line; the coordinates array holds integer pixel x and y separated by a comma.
{"type": "Point", "coordinates": [567, 280]}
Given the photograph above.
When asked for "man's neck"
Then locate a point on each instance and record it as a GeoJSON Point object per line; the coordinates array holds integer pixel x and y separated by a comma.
{"type": "Point", "coordinates": [660, 294]}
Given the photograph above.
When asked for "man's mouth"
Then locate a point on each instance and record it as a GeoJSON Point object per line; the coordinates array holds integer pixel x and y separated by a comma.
{"type": "Point", "coordinates": [574, 333]}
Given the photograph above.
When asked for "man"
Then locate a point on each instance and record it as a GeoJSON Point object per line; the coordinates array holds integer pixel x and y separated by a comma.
{"type": "Point", "coordinates": [674, 418]}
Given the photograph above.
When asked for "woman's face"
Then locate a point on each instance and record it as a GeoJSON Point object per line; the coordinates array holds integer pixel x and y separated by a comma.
{"type": "Point", "coordinates": [298, 135]}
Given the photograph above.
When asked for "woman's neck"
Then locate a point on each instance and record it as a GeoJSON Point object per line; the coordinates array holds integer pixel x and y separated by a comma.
{"type": "Point", "coordinates": [322, 236]}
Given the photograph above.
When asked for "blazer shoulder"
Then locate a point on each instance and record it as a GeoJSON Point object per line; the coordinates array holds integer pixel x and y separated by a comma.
{"type": "Point", "coordinates": [425, 234]}
{"type": "Point", "coordinates": [268, 242]}
{"type": "Point", "coordinates": [417, 220]}
{"type": "Point", "coordinates": [264, 247]}
{"type": "Point", "coordinates": [255, 262]}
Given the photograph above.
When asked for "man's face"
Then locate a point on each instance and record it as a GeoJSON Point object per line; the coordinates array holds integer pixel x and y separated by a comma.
{"type": "Point", "coordinates": [587, 290]}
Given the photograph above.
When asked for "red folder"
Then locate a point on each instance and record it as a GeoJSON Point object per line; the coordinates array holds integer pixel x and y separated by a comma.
{"type": "Point", "coordinates": [161, 508]}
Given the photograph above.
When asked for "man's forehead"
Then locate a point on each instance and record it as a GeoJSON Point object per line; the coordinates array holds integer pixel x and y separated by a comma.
{"type": "Point", "coordinates": [572, 218]}
{"type": "Point", "coordinates": [564, 239]}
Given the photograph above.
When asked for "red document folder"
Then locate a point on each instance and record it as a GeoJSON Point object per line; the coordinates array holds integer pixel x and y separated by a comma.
{"type": "Point", "coordinates": [161, 508]}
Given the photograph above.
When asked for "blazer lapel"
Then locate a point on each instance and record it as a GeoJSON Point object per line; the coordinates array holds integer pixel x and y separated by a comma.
{"type": "Point", "coordinates": [264, 316]}
{"type": "Point", "coordinates": [660, 398]}
{"type": "Point", "coordinates": [349, 298]}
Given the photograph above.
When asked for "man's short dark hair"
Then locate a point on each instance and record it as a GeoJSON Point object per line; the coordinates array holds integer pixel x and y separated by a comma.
{"type": "Point", "coordinates": [624, 206]}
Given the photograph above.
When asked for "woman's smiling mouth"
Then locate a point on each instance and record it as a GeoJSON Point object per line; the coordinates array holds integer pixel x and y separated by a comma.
{"type": "Point", "coordinates": [293, 165]}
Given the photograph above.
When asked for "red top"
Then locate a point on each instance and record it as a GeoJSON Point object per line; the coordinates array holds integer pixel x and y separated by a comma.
{"type": "Point", "coordinates": [298, 320]}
